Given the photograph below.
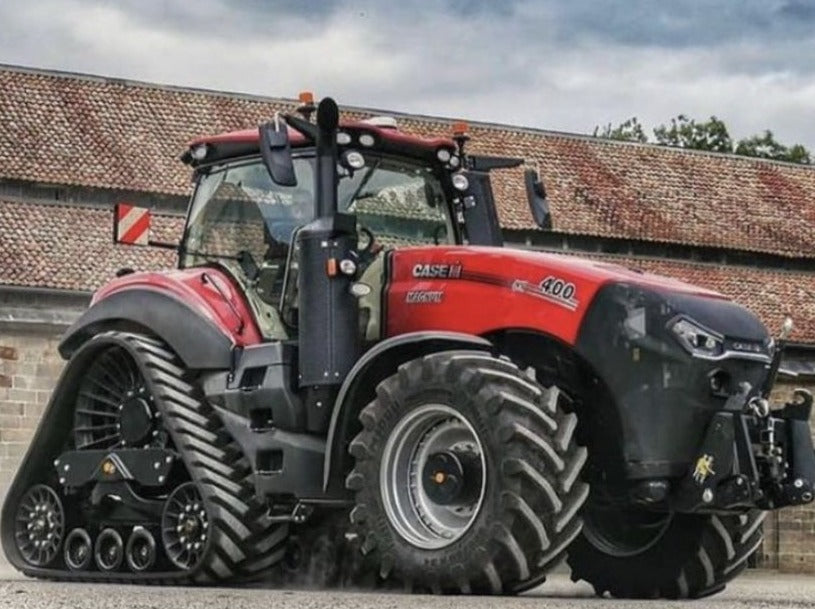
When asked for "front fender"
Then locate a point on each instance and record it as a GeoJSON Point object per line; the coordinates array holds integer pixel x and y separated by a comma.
{"type": "Point", "coordinates": [378, 363]}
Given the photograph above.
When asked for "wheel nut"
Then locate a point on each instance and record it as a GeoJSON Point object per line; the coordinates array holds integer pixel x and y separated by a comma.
{"type": "Point", "coordinates": [707, 495]}
{"type": "Point", "coordinates": [798, 483]}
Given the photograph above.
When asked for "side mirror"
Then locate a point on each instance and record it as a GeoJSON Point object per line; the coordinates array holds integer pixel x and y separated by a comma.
{"type": "Point", "coordinates": [131, 224]}
{"type": "Point", "coordinates": [276, 152]}
{"type": "Point", "coordinates": [536, 196]}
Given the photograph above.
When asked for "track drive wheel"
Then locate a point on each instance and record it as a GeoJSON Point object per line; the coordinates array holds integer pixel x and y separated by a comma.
{"type": "Point", "coordinates": [634, 553]}
{"type": "Point", "coordinates": [39, 525]}
{"type": "Point", "coordinates": [466, 476]}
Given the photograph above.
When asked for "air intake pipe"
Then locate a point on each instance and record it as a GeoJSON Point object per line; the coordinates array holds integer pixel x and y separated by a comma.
{"type": "Point", "coordinates": [328, 313]}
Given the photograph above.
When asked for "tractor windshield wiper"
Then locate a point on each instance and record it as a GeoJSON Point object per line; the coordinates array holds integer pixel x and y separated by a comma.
{"type": "Point", "coordinates": [363, 182]}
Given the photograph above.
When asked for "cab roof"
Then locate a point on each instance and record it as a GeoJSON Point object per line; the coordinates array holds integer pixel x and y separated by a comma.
{"type": "Point", "coordinates": [236, 144]}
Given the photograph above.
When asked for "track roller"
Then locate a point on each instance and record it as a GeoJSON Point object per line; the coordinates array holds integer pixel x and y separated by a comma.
{"type": "Point", "coordinates": [109, 550]}
{"type": "Point", "coordinates": [78, 551]}
{"type": "Point", "coordinates": [140, 552]}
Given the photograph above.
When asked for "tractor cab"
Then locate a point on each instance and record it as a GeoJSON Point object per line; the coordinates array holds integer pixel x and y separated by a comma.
{"type": "Point", "coordinates": [256, 188]}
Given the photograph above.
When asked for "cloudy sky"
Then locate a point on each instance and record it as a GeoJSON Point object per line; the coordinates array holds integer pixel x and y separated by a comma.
{"type": "Point", "coordinates": [565, 65]}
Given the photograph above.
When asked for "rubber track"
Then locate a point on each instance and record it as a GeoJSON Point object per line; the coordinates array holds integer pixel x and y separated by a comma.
{"type": "Point", "coordinates": [243, 543]}
{"type": "Point", "coordinates": [541, 494]}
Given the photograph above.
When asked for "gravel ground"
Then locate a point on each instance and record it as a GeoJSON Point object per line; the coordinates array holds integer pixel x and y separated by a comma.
{"type": "Point", "coordinates": [756, 589]}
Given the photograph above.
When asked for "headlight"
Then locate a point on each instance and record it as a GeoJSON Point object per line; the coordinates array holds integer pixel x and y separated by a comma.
{"type": "Point", "coordinates": [460, 182]}
{"type": "Point", "coordinates": [354, 159]}
{"type": "Point", "coordinates": [699, 341]}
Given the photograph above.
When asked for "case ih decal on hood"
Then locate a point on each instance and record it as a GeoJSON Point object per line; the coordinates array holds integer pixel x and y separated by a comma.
{"type": "Point", "coordinates": [437, 271]}
{"type": "Point", "coordinates": [536, 290]}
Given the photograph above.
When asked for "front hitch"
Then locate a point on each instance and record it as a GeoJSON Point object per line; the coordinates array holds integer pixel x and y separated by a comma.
{"type": "Point", "coordinates": [752, 457]}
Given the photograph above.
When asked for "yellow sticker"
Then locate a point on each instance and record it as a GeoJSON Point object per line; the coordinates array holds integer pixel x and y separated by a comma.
{"type": "Point", "coordinates": [703, 469]}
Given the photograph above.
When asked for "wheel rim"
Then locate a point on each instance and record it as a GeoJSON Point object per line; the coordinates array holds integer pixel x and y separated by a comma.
{"type": "Point", "coordinates": [40, 525]}
{"type": "Point", "coordinates": [624, 532]}
{"type": "Point", "coordinates": [114, 407]}
{"type": "Point", "coordinates": [78, 550]}
{"type": "Point", "coordinates": [109, 550]}
{"type": "Point", "coordinates": [141, 549]}
{"type": "Point", "coordinates": [433, 476]}
{"type": "Point", "coordinates": [185, 526]}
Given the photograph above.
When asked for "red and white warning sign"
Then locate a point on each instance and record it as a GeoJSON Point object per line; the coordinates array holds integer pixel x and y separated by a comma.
{"type": "Point", "coordinates": [131, 224]}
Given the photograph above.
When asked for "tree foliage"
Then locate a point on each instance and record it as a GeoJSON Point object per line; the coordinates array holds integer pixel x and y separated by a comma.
{"type": "Point", "coordinates": [711, 135]}
{"type": "Point", "coordinates": [765, 146]}
{"type": "Point", "coordinates": [629, 131]}
{"type": "Point", "coordinates": [685, 132]}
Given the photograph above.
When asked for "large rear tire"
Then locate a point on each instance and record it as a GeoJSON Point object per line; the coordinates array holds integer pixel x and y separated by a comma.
{"type": "Point", "coordinates": [632, 553]}
{"type": "Point", "coordinates": [466, 476]}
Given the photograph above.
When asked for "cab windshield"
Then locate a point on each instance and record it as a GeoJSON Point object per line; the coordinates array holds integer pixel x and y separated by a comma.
{"type": "Point", "coordinates": [238, 210]}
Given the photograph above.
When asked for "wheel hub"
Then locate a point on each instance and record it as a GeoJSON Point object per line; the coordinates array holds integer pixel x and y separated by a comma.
{"type": "Point", "coordinates": [451, 477]}
{"type": "Point", "coordinates": [136, 420]}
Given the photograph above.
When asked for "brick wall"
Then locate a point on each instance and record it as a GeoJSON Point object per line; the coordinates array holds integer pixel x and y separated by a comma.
{"type": "Point", "coordinates": [29, 367]}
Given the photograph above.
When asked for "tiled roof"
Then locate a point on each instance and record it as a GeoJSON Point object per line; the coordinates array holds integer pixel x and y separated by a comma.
{"type": "Point", "coordinates": [65, 129]}
{"type": "Point", "coordinates": [69, 247]}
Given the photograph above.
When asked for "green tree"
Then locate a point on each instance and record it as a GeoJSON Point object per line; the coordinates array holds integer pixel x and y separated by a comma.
{"type": "Point", "coordinates": [765, 146]}
{"type": "Point", "coordinates": [685, 132]}
{"type": "Point", "coordinates": [627, 131]}
{"type": "Point", "coordinates": [711, 135]}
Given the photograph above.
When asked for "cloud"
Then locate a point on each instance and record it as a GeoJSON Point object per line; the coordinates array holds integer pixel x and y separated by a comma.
{"type": "Point", "coordinates": [556, 65]}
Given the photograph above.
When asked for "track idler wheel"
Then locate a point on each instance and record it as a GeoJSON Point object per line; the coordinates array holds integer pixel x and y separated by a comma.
{"type": "Point", "coordinates": [78, 552]}
{"type": "Point", "coordinates": [40, 525]}
{"type": "Point", "coordinates": [109, 550]}
{"type": "Point", "coordinates": [184, 526]}
{"type": "Point", "coordinates": [140, 551]}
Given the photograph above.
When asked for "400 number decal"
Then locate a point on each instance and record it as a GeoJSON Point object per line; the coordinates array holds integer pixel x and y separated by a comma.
{"type": "Point", "coordinates": [554, 289]}
{"type": "Point", "coordinates": [561, 291]}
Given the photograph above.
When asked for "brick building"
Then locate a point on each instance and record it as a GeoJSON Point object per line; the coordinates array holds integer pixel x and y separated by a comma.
{"type": "Point", "coordinates": [71, 146]}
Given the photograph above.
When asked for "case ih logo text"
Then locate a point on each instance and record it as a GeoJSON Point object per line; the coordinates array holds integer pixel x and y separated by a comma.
{"type": "Point", "coordinates": [437, 271]}
{"type": "Point", "coordinates": [424, 297]}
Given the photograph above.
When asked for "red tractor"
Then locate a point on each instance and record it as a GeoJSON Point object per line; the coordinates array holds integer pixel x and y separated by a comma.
{"type": "Point", "coordinates": [347, 378]}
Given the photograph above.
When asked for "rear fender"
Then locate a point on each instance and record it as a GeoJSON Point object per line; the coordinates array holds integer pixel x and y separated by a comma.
{"type": "Point", "coordinates": [197, 340]}
{"type": "Point", "coordinates": [359, 386]}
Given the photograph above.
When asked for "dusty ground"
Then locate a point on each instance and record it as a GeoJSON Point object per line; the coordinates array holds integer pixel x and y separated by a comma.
{"type": "Point", "coordinates": [756, 589]}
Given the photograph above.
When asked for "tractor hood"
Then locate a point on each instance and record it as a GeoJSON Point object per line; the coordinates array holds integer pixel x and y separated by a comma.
{"type": "Point", "coordinates": [488, 289]}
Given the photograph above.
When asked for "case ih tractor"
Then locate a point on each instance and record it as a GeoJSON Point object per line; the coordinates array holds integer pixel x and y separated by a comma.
{"type": "Point", "coordinates": [348, 378]}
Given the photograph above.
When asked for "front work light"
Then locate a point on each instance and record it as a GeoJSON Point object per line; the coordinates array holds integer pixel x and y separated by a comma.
{"type": "Point", "coordinates": [699, 341]}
